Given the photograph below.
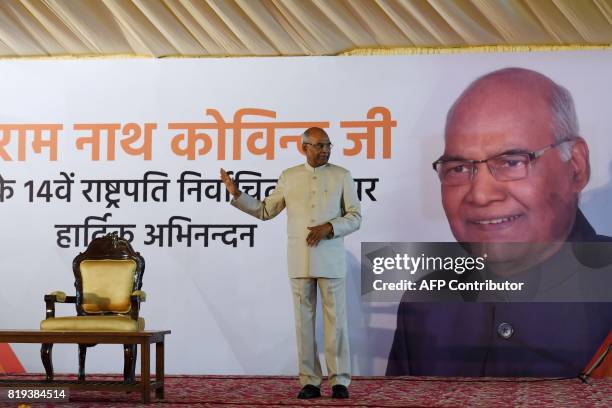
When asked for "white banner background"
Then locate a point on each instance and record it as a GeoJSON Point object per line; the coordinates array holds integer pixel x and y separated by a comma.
{"type": "Point", "coordinates": [230, 309]}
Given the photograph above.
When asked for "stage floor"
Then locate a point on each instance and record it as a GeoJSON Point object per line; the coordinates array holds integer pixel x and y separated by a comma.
{"type": "Point", "coordinates": [264, 391]}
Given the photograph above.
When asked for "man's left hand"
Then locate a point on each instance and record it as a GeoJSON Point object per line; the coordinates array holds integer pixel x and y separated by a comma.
{"type": "Point", "coordinates": [318, 233]}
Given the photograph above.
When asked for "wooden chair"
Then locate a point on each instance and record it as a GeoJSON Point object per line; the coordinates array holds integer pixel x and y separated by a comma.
{"type": "Point", "coordinates": [108, 279]}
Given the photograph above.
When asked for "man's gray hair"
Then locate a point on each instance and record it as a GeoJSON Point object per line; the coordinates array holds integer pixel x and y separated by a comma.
{"type": "Point", "coordinates": [564, 120]}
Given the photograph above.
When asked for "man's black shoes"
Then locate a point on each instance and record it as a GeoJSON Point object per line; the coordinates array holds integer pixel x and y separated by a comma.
{"type": "Point", "coordinates": [309, 391]}
{"type": "Point", "coordinates": [340, 391]}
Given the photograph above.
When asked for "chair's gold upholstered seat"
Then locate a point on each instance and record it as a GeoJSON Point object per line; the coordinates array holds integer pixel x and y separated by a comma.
{"type": "Point", "coordinates": [93, 323]}
{"type": "Point", "coordinates": [108, 278]}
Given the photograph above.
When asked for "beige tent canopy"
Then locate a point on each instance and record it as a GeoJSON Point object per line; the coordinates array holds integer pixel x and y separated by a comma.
{"type": "Point", "coordinates": [161, 28]}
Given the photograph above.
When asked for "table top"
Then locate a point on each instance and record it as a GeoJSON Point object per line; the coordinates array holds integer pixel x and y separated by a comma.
{"type": "Point", "coordinates": [58, 336]}
{"type": "Point", "coordinates": [138, 333]}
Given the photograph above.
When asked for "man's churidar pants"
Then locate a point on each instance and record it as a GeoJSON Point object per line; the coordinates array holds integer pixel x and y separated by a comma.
{"type": "Point", "coordinates": [335, 329]}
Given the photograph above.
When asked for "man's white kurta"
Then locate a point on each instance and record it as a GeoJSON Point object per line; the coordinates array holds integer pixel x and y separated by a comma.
{"type": "Point", "coordinates": [312, 196]}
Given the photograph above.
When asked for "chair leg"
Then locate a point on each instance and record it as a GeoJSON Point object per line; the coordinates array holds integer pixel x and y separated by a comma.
{"type": "Point", "coordinates": [47, 359]}
{"type": "Point", "coordinates": [82, 356]}
{"type": "Point", "coordinates": [129, 365]}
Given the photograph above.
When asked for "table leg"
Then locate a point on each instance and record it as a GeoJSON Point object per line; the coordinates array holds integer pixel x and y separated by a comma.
{"type": "Point", "coordinates": [145, 371]}
{"type": "Point", "coordinates": [159, 368]}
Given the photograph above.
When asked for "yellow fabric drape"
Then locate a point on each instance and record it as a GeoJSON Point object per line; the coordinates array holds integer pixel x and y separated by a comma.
{"type": "Point", "coordinates": [256, 28]}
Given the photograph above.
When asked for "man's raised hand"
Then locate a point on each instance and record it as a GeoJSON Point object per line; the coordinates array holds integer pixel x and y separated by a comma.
{"type": "Point", "coordinates": [229, 184]}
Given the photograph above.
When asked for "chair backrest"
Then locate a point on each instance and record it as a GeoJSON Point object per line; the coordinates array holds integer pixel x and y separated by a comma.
{"type": "Point", "coordinates": [105, 275]}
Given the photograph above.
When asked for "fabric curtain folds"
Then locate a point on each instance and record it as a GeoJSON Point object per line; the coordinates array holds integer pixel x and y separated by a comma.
{"type": "Point", "coordinates": [213, 28]}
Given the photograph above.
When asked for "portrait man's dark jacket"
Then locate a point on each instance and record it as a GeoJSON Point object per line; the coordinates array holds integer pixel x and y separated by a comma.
{"type": "Point", "coordinates": [462, 339]}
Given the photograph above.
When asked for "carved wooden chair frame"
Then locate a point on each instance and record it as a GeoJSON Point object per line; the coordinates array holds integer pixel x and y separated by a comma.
{"type": "Point", "coordinates": [110, 246]}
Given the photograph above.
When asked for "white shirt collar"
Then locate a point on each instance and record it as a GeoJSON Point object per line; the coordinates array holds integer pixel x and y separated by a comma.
{"type": "Point", "coordinates": [315, 169]}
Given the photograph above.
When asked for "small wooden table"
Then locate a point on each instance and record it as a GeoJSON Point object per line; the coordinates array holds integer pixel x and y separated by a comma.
{"type": "Point", "coordinates": [144, 338]}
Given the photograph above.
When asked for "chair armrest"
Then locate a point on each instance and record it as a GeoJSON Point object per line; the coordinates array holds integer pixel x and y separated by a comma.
{"type": "Point", "coordinates": [137, 297]}
{"type": "Point", "coordinates": [56, 297]}
{"type": "Point", "coordinates": [60, 296]}
{"type": "Point", "coordinates": [142, 296]}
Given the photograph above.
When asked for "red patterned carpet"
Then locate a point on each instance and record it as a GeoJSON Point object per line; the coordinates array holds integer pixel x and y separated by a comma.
{"type": "Point", "coordinates": [254, 391]}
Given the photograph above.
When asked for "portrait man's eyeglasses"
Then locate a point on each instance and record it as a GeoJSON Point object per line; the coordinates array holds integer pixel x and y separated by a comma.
{"type": "Point", "coordinates": [508, 166]}
{"type": "Point", "coordinates": [321, 146]}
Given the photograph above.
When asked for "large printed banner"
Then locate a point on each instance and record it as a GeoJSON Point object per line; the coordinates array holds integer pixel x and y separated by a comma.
{"type": "Point", "coordinates": [135, 147]}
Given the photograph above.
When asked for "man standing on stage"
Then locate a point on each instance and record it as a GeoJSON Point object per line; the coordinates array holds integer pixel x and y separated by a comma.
{"type": "Point", "coordinates": [322, 207]}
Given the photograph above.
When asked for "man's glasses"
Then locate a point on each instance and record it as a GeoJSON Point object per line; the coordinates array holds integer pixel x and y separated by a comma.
{"type": "Point", "coordinates": [321, 146]}
{"type": "Point", "coordinates": [503, 167]}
